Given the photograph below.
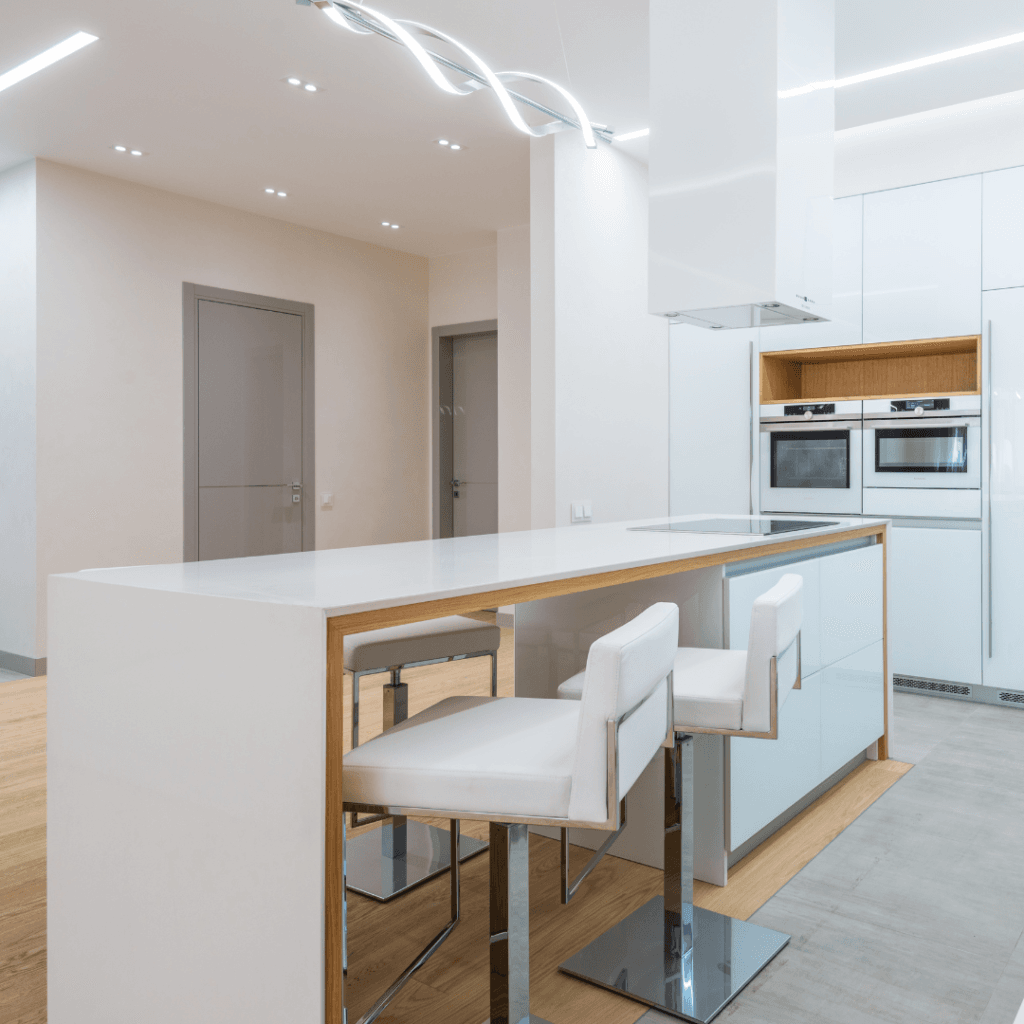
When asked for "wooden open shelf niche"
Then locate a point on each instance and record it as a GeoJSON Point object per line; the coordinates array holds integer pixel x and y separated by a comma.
{"type": "Point", "coordinates": [891, 369]}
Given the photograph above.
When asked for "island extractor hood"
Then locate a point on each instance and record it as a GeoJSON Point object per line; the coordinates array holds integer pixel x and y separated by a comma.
{"type": "Point", "coordinates": [741, 161]}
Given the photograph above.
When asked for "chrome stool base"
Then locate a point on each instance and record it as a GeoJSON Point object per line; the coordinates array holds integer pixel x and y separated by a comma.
{"type": "Point", "coordinates": [380, 865]}
{"type": "Point", "coordinates": [640, 958]}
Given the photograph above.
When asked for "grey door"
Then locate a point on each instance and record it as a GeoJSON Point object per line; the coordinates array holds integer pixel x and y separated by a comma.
{"type": "Point", "coordinates": [475, 434]}
{"type": "Point", "coordinates": [249, 368]}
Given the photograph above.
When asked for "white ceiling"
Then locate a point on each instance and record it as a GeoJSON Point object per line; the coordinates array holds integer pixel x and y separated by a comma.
{"type": "Point", "coordinates": [199, 87]}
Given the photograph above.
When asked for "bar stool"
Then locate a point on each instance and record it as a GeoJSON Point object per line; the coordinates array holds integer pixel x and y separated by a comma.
{"type": "Point", "coordinates": [385, 862]}
{"type": "Point", "coordinates": [682, 959]}
{"type": "Point", "coordinates": [516, 762]}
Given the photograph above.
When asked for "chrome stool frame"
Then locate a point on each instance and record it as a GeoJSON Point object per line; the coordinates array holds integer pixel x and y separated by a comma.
{"type": "Point", "coordinates": [385, 862]}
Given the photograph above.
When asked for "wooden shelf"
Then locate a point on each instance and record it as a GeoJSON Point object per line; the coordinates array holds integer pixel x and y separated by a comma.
{"type": "Point", "coordinates": [891, 369]}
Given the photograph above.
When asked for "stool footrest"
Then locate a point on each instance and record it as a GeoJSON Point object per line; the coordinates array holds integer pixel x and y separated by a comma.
{"type": "Point", "coordinates": [642, 957]}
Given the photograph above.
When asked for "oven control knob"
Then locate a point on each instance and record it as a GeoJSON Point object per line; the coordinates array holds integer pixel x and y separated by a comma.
{"type": "Point", "coordinates": [808, 415]}
{"type": "Point", "coordinates": [919, 411]}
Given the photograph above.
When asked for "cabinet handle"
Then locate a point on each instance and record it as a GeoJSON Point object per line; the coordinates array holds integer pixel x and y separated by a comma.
{"type": "Point", "coordinates": [991, 468]}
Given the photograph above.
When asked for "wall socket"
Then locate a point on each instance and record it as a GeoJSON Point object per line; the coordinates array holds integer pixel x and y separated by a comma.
{"type": "Point", "coordinates": [581, 511]}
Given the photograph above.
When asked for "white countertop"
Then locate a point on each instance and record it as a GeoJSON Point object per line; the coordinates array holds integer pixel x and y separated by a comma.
{"type": "Point", "coordinates": [342, 581]}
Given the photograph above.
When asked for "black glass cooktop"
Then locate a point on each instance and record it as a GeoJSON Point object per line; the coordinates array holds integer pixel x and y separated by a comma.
{"type": "Point", "coordinates": [756, 527]}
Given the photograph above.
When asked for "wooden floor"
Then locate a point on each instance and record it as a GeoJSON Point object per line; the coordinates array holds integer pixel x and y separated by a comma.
{"type": "Point", "coordinates": [452, 987]}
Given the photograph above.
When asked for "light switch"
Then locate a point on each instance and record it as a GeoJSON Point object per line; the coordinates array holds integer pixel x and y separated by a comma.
{"type": "Point", "coordinates": [580, 511]}
{"type": "Point", "coordinates": [327, 500]}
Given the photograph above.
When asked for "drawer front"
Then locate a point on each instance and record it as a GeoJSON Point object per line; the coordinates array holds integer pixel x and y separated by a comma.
{"type": "Point", "coordinates": [766, 777]}
{"type": "Point", "coordinates": [851, 602]}
{"type": "Point", "coordinates": [741, 591]}
{"type": "Point", "coordinates": [851, 707]}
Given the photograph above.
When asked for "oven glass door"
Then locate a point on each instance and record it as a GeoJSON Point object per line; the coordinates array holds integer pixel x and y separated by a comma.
{"type": "Point", "coordinates": [810, 459]}
{"type": "Point", "coordinates": [921, 450]}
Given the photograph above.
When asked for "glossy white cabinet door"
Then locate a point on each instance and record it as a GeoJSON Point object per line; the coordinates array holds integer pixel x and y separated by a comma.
{"type": "Point", "coordinates": [844, 327]}
{"type": "Point", "coordinates": [922, 261]}
{"type": "Point", "coordinates": [1003, 228]}
{"type": "Point", "coordinates": [852, 715]}
{"type": "Point", "coordinates": [1004, 654]}
{"type": "Point", "coordinates": [935, 603]}
{"type": "Point", "coordinates": [851, 602]}
{"type": "Point", "coordinates": [741, 591]}
{"type": "Point", "coordinates": [766, 777]}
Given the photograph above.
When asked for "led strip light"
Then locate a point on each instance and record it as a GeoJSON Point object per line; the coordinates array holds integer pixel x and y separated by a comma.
{"type": "Point", "coordinates": [365, 21]}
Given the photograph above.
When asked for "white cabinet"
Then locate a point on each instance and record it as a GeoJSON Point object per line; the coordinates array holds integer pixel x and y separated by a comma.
{"type": "Point", "coordinates": [852, 706]}
{"type": "Point", "coordinates": [922, 261]}
{"type": "Point", "coordinates": [1003, 228]}
{"type": "Point", "coordinates": [935, 603]}
{"type": "Point", "coordinates": [1004, 654]}
{"type": "Point", "coordinates": [838, 711]}
{"type": "Point", "coordinates": [844, 326]}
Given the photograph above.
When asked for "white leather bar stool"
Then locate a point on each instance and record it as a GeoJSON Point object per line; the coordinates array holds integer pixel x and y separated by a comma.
{"type": "Point", "coordinates": [682, 959]}
{"type": "Point", "coordinates": [517, 762]}
{"type": "Point", "coordinates": [385, 862]}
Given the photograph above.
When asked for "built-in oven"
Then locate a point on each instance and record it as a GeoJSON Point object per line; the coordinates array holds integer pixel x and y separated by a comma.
{"type": "Point", "coordinates": [811, 458]}
{"type": "Point", "coordinates": [923, 457]}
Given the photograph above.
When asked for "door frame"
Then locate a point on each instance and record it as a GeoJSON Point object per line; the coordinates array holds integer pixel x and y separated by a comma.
{"type": "Point", "coordinates": [443, 337]}
{"type": "Point", "coordinates": [191, 294]}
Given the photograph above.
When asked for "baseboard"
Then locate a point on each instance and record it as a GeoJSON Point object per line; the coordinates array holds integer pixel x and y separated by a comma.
{"type": "Point", "coordinates": [22, 664]}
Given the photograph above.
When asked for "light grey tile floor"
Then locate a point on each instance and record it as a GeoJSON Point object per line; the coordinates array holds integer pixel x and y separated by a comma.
{"type": "Point", "coordinates": [915, 913]}
{"type": "Point", "coordinates": [10, 677]}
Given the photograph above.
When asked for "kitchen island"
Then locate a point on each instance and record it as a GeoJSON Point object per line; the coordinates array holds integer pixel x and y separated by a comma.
{"type": "Point", "coordinates": [196, 716]}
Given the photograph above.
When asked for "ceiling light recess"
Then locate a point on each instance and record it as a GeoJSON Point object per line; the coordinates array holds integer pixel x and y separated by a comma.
{"type": "Point", "coordinates": [364, 20]}
{"type": "Point", "coordinates": [46, 58]}
{"type": "Point", "coordinates": [907, 65]}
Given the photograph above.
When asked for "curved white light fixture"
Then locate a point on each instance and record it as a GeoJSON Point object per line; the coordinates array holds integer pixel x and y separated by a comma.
{"type": "Point", "coordinates": [365, 20]}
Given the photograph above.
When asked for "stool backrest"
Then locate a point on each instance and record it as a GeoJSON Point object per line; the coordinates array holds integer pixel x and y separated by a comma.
{"type": "Point", "coordinates": [774, 624]}
{"type": "Point", "coordinates": [627, 673]}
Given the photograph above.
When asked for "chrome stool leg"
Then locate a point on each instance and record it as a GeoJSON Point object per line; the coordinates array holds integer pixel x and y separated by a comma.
{"type": "Point", "coordinates": [510, 925]}
{"type": "Point", "coordinates": [684, 960]}
{"type": "Point", "coordinates": [388, 861]}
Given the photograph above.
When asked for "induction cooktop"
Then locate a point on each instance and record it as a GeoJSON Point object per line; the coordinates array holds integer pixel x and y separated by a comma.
{"type": "Point", "coordinates": [756, 527]}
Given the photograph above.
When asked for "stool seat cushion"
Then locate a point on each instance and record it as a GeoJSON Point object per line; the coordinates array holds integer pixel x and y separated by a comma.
{"type": "Point", "coordinates": [707, 688]}
{"type": "Point", "coordinates": [419, 641]}
{"type": "Point", "coordinates": [482, 755]}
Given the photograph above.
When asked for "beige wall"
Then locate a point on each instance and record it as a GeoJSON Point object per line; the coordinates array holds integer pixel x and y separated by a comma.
{"type": "Point", "coordinates": [464, 287]}
{"type": "Point", "coordinates": [112, 257]}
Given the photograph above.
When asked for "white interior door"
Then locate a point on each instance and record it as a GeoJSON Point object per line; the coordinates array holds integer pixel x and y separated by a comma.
{"type": "Point", "coordinates": [475, 435]}
{"type": "Point", "coordinates": [250, 431]}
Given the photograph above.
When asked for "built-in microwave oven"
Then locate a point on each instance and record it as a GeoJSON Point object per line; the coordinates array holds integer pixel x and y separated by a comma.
{"type": "Point", "coordinates": [931, 446]}
{"type": "Point", "coordinates": [811, 458]}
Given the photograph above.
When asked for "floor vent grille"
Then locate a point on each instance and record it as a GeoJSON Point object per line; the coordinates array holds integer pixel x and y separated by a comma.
{"type": "Point", "coordinates": [933, 687]}
{"type": "Point", "coordinates": [1012, 698]}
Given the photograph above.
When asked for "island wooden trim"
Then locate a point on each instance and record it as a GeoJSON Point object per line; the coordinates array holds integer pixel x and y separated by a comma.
{"type": "Point", "coordinates": [340, 625]}
{"type": "Point", "coordinates": [920, 368]}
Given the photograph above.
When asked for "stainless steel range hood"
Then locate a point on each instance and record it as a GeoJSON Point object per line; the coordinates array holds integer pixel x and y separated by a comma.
{"type": "Point", "coordinates": [741, 161]}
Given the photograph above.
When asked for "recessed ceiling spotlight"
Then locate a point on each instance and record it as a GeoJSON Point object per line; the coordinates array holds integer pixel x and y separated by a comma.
{"type": "Point", "coordinates": [455, 145]}
{"type": "Point", "coordinates": [394, 227]}
{"type": "Point", "coordinates": [283, 195]}
{"type": "Point", "coordinates": [121, 149]}
{"type": "Point", "coordinates": [295, 81]}
{"type": "Point", "coordinates": [270, 191]}
{"type": "Point", "coordinates": [136, 152]}
{"type": "Point", "coordinates": [385, 223]}
{"type": "Point", "coordinates": [309, 87]}
{"type": "Point", "coordinates": [442, 142]}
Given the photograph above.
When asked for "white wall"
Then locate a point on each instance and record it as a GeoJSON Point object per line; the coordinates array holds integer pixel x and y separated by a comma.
{"type": "Point", "coordinates": [609, 357]}
{"type": "Point", "coordinates": [18, 416]}
{"type": "Point", "coordinates": [966, 138]}
{"type": "Point", "coordinates": [112, 258]}
{"type": "Point", "coordinates": [514, 401]}
{"type": "Point", "coordinates": [464, 287]}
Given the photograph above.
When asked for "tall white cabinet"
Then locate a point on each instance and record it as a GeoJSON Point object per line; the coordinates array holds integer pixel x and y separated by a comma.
{"type": "Point", "coordinates": [1004, 537]}
{"type": "Point", "coordinates": [1003, 229]}
{"type": "Point", "coordinates": [922, 261]}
